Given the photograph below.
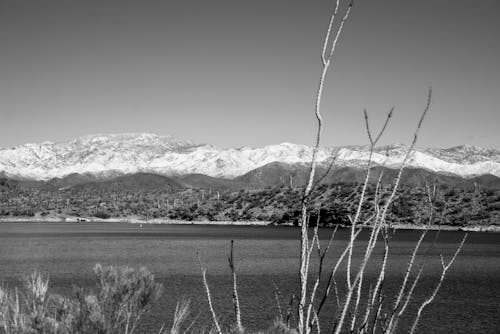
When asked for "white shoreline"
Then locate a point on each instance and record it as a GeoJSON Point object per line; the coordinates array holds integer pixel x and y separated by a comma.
{"type": "Point", "coordinates": [130, 220]}
{"type": "Point", "coordinates": [162, 221]}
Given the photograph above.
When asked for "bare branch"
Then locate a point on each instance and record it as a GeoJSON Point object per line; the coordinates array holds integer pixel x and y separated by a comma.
{"type": "Point", "coordinates": [236, 300]}
{"type": "Point", "coordinates": [316, 320]}
{"type": "Point", "coordinates": [376, 229]}
{"type": "Point", "coordinates": [378, 286]}
{"type": "Point", "coordinates": [392, 329]}
{"type": "Point", "coordinates": [367, 125]}
{"type": "Point", "coordinates": [365, 185]}
{"type": "Point", "coordinates": [436, 289]}
{"type": "Point", "coordinates": [304, 261]}
{"type": "Point", "coordinates": [327, 171]}
{"type": "Point", "coordinates": [328, 32]}
{"type": "Point", "coordinates": [333, 272]}
{"type": "Point", "coordinates": [405, 280]}
{"type": "Point", "coordinates": [209, 296]}
{"type": "Point", "coordinates": [339, 30]}
{"type": "Point", "coordinates": [276, 297]}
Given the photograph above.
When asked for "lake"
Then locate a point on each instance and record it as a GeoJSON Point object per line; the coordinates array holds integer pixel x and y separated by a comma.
{"type": "Point", "coordinates": [468, 301]}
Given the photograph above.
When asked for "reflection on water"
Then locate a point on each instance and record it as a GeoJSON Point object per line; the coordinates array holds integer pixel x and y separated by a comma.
{"type": "Point", "coordinates": [267, 256]}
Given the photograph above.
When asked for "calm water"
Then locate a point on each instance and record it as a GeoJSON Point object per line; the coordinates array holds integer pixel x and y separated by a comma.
{"type": "Point", "coordinates": [468, 302]}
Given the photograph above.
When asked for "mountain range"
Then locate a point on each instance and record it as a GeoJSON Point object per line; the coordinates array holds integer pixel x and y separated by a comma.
{"type": "Point", "coordinates": [104, 157]}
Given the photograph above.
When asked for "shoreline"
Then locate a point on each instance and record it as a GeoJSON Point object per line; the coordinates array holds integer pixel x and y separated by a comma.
{"type": "Point", "coordinates": [162, 221]}
{"type": "Point", "coordinates": [129, 220]}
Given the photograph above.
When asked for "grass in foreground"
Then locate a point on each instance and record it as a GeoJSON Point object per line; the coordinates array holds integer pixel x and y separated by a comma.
{"type": "Point", "coordinates": [122, 297]}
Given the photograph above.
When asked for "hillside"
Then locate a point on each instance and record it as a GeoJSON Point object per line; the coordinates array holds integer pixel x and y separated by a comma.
{"type": "Point", "coordinates": [208, 182]}
{"type": "Point", "coordinates": [154, 196]}
{"type": "Point", "coordinates": [139, 182]}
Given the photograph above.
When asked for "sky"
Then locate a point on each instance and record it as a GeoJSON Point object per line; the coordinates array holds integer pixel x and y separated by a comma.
{"type": "Point", "coordinates": [244, 73]}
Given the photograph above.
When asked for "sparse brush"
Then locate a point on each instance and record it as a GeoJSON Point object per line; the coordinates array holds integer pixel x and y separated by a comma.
{"type": "Point", "coordinates": [10, 311]}
{"type": "Point", "coordinates": [124, 296]}
{"type": "Point", "coordinates": [279, 327]}
{"type": "Point", "coordinates": [182, 311]}
{"type": "Point", "coordinates": [37, 288]}
{"type": "Point", "coordinates": [36, 311]}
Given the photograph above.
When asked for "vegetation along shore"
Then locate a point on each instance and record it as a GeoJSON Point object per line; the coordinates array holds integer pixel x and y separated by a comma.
{"type": "Point", "coordinates": [457, 207]}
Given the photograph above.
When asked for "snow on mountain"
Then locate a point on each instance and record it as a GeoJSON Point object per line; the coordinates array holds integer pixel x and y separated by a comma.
{"type": "Point", "coordinates": [107, 155]}
{"type": "Point", "coordinates": [466, 154]}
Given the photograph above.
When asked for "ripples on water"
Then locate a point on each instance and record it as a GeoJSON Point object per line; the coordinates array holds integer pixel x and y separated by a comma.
{"type": "Point", "coordinates": [467, 303]}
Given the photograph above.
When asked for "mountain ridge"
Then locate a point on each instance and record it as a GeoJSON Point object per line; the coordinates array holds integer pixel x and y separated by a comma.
{"type": "Point", "coordinates": [109, 155]}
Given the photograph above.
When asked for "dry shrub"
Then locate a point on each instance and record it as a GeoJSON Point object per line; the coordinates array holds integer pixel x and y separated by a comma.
{"type": "Point", "coordinates": [123, 296]}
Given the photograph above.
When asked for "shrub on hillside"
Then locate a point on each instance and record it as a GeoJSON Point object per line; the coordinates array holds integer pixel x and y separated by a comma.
{"type": "Point", "coordinates": [102, 215]}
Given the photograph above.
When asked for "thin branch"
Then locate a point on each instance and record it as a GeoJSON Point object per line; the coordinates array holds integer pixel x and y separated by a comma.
{"type": "Point", "coordinates": [318, 278]}
{"type": "Point", "coordinates": [407, 301]}
{"type": "Point", "coordinates": [380, 281]}
{"type": "Point", "coordinates": [333, 272]}
{"type": "Point", "coordinates": [405, 280]}
{"type": "Point", "coordinates": [277, 298]}
{"type": "Point", "coordinates": [367, 125]}
{"type": "Point", "coordinates": [339, 30]}
{"type": "Point", "coordinates": [327, 171]}
{"type": "Point", "coordinates": [289, 310]}
{"type": "Point", "coordinates": [356, 304]}
{"type": "Point", "coordinates": [375, 231]}
{"type": "Point", "coordinates": [365, 185]}
{"type": "Point", "coordinates": [376, 319]}
{"type": "Point", "coordinates": [209, 296]}
{"type": "Point", "coordinates": [328, 32]}
{"type": "Point", "coordinates": [303, 272]}
{"type": "Point", "coordinates": [316, 320]}
{"type": "Point", "coordinates": [445, 268]}
{"type": "Point", "coordinates": [236, 300]}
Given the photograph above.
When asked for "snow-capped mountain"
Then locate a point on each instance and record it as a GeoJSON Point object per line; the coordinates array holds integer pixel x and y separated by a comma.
{"type": "Point", "coordinates": [108, 155]}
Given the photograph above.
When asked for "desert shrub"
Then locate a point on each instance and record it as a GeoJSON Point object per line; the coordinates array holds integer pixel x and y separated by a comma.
{"type": "Point", "coordinates": [123, 296]}
{"type": "Point", "coordinates": [35, 311]}
{"type": "Point", "coordinates": [102, 215]}
{"type": "Point", "coordinates": [279, 327]}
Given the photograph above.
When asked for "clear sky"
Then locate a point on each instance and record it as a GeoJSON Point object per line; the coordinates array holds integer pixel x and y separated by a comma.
{"type": "Point", "coordinates": [244, 73]}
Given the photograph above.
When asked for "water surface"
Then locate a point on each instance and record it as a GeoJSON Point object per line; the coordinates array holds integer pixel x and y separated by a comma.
{"type": "Point", "coordinates": [267, 259]}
